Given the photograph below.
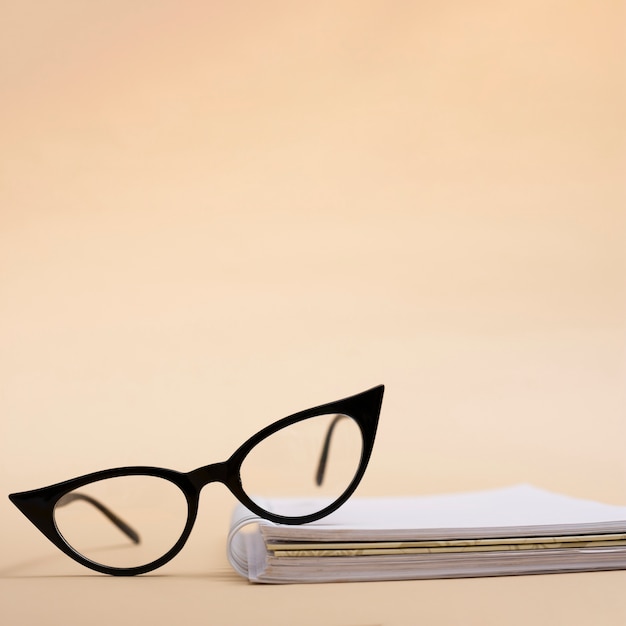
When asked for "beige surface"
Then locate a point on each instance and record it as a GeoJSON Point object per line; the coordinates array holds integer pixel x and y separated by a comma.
{"type": "Point", "coordinates": [213, 216]}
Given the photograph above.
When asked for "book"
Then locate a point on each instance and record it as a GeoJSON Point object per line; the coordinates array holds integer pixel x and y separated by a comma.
{"type": "Point", "coordinates": [509, 531]}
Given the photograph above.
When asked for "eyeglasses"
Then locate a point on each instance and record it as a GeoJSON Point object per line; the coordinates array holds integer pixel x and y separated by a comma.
{"type": "Point", "coordinates": [132, 520]}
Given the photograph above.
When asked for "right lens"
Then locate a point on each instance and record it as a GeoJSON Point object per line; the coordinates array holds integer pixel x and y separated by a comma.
{"type": "Point", "coordinates": [127, 521]}
{"type": "Point", "coordinates": [304, 467]}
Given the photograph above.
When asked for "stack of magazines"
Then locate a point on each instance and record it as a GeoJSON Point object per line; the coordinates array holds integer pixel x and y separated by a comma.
{"type": "Point", "coordinates": [509, 531]}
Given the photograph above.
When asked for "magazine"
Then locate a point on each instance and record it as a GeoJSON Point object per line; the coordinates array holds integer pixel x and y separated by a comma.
{"type": "Point", "coordinates": [508, 531]}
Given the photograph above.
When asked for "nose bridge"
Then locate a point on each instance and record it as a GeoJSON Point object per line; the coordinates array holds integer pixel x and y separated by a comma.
{"type": "Point", "coordinates": [214, 473]}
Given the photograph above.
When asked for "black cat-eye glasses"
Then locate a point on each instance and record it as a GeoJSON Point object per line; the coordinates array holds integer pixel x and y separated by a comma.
{"type": "Point", "coordinates": [131, 520]}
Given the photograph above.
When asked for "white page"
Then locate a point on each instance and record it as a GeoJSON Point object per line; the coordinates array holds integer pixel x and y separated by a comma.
{"type": "Point", "coordinates": [521, 508]}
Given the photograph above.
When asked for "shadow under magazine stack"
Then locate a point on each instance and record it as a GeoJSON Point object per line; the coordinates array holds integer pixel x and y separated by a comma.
{"type": "Point", "coordinates": [510, 531]}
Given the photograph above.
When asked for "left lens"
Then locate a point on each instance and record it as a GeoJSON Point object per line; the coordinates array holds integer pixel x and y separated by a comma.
{"type": "Point", "coordinates": [127, 521]}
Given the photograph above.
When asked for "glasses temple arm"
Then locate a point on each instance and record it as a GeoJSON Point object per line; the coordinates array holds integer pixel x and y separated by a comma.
{"type": "Point", "coordinates": [120, 523]}
{"type": "Point", "coordinates": [321, 466]}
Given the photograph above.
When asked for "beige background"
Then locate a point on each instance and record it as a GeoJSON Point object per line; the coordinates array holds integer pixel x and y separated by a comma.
{"type": "Point", "coordinates": [216, 214]}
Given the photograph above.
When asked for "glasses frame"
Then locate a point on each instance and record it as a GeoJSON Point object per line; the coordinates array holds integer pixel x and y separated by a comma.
{"type": "Point", "coordinates": [38, 505]}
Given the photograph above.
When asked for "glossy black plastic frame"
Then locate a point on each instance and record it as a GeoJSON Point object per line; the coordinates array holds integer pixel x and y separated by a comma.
{"type": "Point", "coordinates": [38, 505]}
